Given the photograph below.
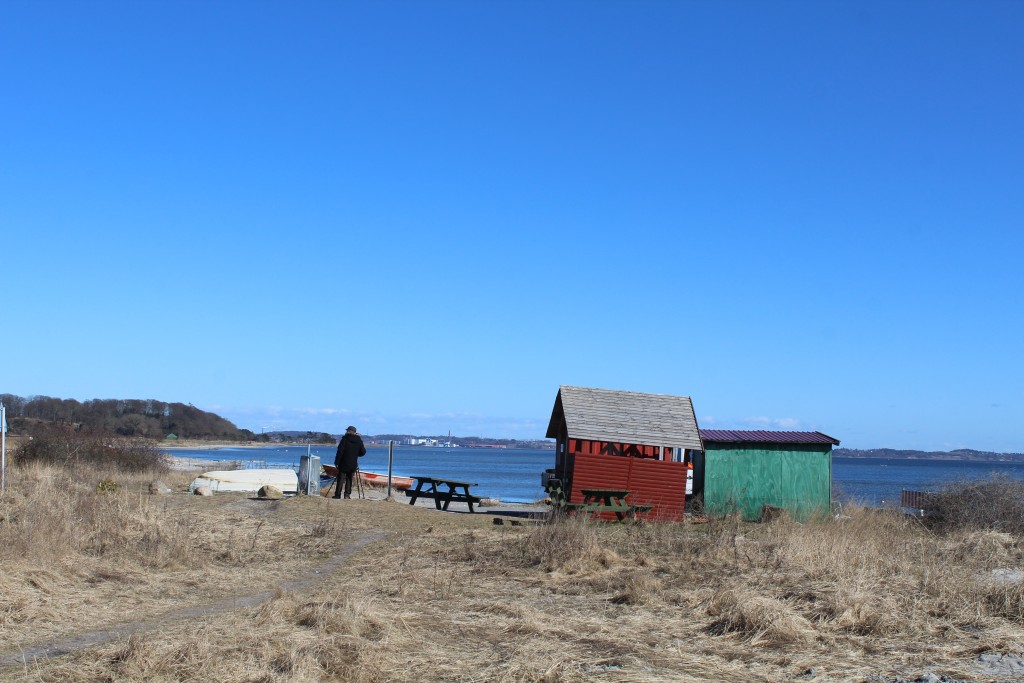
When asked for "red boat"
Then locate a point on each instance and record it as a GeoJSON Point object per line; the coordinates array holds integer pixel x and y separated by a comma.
{"type": "Point", "coordinates": [375, 478]}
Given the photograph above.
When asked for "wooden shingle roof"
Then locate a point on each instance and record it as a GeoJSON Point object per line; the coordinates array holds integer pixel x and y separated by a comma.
{"type": "Point", "coordinates": [625, 417]}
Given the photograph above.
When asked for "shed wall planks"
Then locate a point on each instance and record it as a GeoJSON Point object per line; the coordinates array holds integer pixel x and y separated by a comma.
{"type": "Point", "coordinates": [745, 477]}
{"type": "Point", "coordinates": [658, 483]}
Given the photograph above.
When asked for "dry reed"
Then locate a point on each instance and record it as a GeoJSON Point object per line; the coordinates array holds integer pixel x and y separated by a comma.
{"type": "Point", "coordinates": [451, 597]}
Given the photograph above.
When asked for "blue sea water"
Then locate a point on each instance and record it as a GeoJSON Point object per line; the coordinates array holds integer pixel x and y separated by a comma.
{"type": "Point", "coordinates": [878, 481]}
{"type": "Point", "coordinates": [513, 475]}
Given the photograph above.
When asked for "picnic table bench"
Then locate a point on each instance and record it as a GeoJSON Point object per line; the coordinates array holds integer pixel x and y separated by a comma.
{"type": "Point", "coordinates": [596, 501]}
{"type": "Point", "coordinates": [427, 487]}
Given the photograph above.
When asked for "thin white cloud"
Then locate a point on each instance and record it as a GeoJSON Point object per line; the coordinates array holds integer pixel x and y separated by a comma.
{"type": "Point", "coordinates": [443, 416]}
{"type": "Point", "coordinates": [334, 421]}
{"type": "Point", "coordinates": [788, 423]}
{"type": "Point", "coordinates": [324, 411]}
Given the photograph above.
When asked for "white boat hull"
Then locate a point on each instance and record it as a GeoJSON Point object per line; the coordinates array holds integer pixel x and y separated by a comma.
{"type": "Point", "coordinates": [246, 481]}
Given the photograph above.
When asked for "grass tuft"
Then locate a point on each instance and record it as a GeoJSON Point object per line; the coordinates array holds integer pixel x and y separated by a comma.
{"type": "Point", "coordinates": [567, 544]}
{"type": "Point", "coordinates": [760, 619]}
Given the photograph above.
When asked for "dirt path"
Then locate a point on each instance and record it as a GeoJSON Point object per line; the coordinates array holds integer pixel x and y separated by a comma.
{"type": "Point", "coordinates": [63, 646]}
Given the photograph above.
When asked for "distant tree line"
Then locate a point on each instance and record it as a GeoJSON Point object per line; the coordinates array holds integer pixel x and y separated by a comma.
{"type": "Point", "coordinates": [958, 454]}
{"type": "Point", "coordinates": [298, 437]}
{"type": "Point", "coordinates": [127, 417]}
{"type": "Point", "coordinates": [470, 441]}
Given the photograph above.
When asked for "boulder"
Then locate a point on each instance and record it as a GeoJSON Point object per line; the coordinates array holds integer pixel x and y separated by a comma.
{"type": "Point", "coordinates": [203, 491]}
{"type": "Point", "coordinates": [157, 488]}
{"type": "Point", "coordinates": [270, 492]}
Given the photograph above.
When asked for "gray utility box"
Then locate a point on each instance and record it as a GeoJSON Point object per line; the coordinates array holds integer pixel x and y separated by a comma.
{"type": "Point", "coordinates": [309, 475]}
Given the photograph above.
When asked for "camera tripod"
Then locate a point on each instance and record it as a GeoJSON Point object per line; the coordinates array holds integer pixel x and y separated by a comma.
{"type": "Point", "coordinates": [357, 476]}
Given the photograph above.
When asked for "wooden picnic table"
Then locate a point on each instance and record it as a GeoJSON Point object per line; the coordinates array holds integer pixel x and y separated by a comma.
{"type": "Point", "coordinates": [605, 496]}
{"type": "Point", "coordinates": [608, 500]}
{"type": "Point", "coordinates": [427, 487]}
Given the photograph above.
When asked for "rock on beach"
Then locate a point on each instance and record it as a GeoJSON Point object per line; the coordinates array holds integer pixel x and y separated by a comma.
{"type": "Point", "coordinates": [270, 492]}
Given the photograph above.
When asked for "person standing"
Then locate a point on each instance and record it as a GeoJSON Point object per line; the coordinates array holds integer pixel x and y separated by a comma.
{"type": "Point", "coordinates": [350, 449]}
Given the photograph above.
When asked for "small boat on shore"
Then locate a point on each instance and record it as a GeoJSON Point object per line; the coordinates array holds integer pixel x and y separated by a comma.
{"type": "Point", "coordinates": [375, 478]}
{"type": "Point", "coordinates": [249, 481]}
{"type": "Point", "coordinates": [400, 483]}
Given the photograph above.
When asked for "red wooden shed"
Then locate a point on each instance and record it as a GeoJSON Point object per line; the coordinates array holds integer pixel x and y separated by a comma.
{"type": "Point", "coordinates": [608, 439]}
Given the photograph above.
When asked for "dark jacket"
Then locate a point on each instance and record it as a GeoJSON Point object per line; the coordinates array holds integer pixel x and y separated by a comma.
{"type": "Point", "coordinates": [349, 449]}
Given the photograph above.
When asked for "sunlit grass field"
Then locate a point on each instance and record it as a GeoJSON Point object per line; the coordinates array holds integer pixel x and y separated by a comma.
{"type": "Point", "coordinates": [232, 588]}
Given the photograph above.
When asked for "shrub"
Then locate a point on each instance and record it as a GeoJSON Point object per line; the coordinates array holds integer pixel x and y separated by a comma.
{"type": "Point", "coordinates": [995, 503]}
{"type": "Point", "coordinates": [64, 445]}
{"type": "Point", "coordinates": [566, 543]}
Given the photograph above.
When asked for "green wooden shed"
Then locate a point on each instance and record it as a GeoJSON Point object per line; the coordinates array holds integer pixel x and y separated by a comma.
{"type": "Point", "coordinates": [746, 470]}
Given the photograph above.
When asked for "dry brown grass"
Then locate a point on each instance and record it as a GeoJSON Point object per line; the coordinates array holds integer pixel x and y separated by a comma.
{"type": "Point", "coordinates": [759, 618]}
{"type": "Point", "coordinates": [54, 513]}
{"type": "Point", "coordinates": [451, 597]}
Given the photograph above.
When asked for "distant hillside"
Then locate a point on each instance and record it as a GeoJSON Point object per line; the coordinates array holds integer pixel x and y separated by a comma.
{"type": "Point", "coordinates": [959, 454]}
{"type": "Point", "coordinates": [462, 441]}
{"type": "Point", "coordinates": [469, 441]}
{"type": "Point", "coordinates": [301, 437]}
{"type": "Point", "coordinates": [127, 417]}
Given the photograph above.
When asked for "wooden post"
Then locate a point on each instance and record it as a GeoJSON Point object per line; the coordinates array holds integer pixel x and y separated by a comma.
{"type": "Point", "coordinates": [3, 448]}
{"type": "Point", "coordinates": [391, 451]}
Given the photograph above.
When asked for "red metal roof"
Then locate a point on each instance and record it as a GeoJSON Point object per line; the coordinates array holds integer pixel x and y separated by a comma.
{"type": "Point", "coordinates": [763, 436]}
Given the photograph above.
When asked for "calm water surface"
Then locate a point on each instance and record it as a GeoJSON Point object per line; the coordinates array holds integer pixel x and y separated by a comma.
{"type": "Point", "coordinates": [513, 475]}
{"type": "Point", "coordinates": [875, 481]}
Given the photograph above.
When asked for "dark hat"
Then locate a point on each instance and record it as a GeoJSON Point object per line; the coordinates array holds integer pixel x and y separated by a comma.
{"type": "Point", "coordinates": [351, 429]}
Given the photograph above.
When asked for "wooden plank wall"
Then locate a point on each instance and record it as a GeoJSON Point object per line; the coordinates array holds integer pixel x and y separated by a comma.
{"type": "Point", "coordinates": [748, 476]}
{"type": "Point", "coordinates": [659, 483]}
{"type": "Point", "coordinates": [598, 472]}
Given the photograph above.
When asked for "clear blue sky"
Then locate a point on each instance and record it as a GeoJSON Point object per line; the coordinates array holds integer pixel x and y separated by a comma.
{"type": "Point", "coordinates": [426, 216]}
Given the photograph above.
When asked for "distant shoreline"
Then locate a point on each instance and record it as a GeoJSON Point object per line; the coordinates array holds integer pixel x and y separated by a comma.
{"type": "Point", "coordinates": [964, 455]}
{"type": "Point", "coordinates": [212, 445]}
{"type": "Point", "coordinates": [255, 445]}
{"type": "Point", "coordinates": [942, 458]}
{"type": "Point", "coordinates": [961, 455]}
{"type": "Point", "coordinates": [935, 458]}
